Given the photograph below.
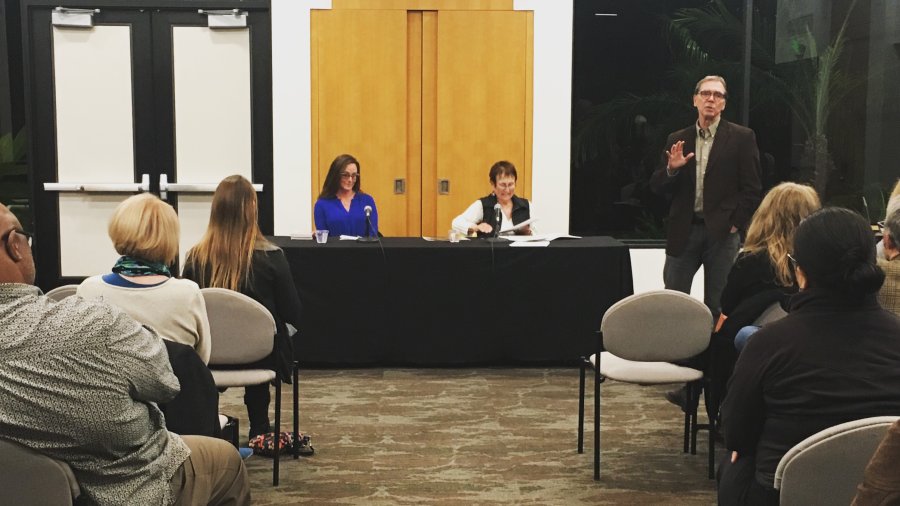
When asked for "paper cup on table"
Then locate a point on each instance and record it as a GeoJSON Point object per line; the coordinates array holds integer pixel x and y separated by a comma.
{"type": "Point", "coordinates": [321, 236]}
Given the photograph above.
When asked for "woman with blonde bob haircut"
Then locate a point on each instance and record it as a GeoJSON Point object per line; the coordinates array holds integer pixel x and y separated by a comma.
{"type": "Point", "coordinates": [233, 254]}
{"type": "Point", "coordinates": [144, 230]}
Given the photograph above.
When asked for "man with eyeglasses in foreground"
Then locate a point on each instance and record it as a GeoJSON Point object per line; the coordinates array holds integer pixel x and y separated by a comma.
{"type": "Point", "coordinates": [80, 382]}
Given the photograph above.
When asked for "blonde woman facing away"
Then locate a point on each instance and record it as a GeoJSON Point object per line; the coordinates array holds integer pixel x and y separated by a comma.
{"type": "Point", "coordinates": [144, 230]}
{"type": "Point", "coordinates": [233, 254]}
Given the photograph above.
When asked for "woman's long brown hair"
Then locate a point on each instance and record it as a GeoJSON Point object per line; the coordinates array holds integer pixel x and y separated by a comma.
{"type": "Point", "coordinates": [223, 256]}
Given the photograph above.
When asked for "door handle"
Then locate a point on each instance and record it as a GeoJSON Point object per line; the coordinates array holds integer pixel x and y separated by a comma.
{"type": "Point", "coordinates": [399, 186]}
{"type": "Point", "coordinates": [443, 187]}
{"type": "Point", "coordinates": [143, 186]}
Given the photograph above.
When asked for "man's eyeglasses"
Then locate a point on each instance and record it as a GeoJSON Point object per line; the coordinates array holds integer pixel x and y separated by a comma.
{"type": "Point", "coordinates": [8, 234]}
{"type": "Point", "coordinates": [348, 175]}
{"type": "Point", "coordinates": [718, 95]}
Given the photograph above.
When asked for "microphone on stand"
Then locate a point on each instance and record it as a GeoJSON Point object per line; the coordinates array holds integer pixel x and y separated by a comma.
{"type": "Point", "coordinates": [368, 237]}
{"type": "Point", "coordinates": [498, 220]}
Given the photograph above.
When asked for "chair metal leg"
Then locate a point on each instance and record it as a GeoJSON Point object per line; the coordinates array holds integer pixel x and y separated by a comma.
{"type": "Point", "coordinates": [687, 420]}
{"type": "Point", "coordinates": [711, 465]}
{"type": "Point", "coordinates": [296, 410]}
{"type": "Point", "coordinates": [597, 418]}
{"type": "Point", "coordinates": [584, 363]}
{"type": "Point", "coordinates": [277, 459]}
{"type": "Point", "coordinates": [693, 401]}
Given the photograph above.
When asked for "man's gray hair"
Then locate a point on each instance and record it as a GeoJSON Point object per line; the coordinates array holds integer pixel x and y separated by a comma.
{"type": "Point", "coordinates": [892, 222]}
{"type": "Point", "coordinates": [711, 78]}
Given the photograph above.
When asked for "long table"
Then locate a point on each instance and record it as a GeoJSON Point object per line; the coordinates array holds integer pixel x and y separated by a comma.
{"type": "Point", "coordinates": [412, 302]}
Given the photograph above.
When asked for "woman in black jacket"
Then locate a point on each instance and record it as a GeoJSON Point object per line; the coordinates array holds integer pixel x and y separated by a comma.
{"type": "Point", "coordinates": [833, 359]}
{"type": "Point", "coordinates": [233, 254]}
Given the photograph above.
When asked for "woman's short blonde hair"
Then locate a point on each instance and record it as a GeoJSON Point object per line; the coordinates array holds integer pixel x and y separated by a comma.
{"type": "Point", "coordinates": [145, 227]}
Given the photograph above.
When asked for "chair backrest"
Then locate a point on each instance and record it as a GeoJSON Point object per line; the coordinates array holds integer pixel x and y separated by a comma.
{"type": "Point", "coordinates": [30, 478]}
{"type": "Point", "coordinates": [241, 329]}
{"type": "Point", "coordinates": [772, 313]}
{"type": "Point", "coordinates": [61, 292]}
{"type": "Point", "coordinates": [825, 468]}
{"type": "Point", "coordinates": [657, 326]}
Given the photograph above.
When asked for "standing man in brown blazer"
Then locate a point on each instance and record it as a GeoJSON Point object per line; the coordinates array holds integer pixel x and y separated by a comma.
{"type": "Point", "coordinates": [711, 170]}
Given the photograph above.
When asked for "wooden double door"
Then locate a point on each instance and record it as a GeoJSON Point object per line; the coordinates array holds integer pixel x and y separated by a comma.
{"type": "Point", "coordinates": [427, 100]}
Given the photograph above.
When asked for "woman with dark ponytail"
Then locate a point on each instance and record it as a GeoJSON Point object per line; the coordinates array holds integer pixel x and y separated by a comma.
{"type": "Point", "coordinates": [833, 359]}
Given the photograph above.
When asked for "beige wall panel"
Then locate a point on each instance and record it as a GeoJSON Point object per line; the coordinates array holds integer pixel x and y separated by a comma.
{"type": "Point", "coordinates": [212, 103]}
{"type": "Point", "coordinates": [85, 247]}
{"type": "Point", "coordinates": [94, 113]}
{"type": "Point", "coordinates": [424, 5]}
{"type": "Point", "coordinates": [481, 94]}
{"type": "Point", "coordinates": [414, 122]}
{"type": "Point", "coordinates": [429, 124]}
{"type": "Point", "coordinates": [361, 94]}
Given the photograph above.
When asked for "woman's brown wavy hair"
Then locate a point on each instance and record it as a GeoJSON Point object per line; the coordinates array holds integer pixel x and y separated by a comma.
{"type": "Point", "coordinates": [774, 222]}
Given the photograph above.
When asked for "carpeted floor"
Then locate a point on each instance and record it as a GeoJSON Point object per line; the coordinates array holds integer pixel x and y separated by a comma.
{"type": "Point", "coordinates": [485, 436]}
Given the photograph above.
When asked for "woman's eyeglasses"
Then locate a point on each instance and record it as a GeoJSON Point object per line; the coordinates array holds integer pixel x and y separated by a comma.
{"type": "Point", "coordinates": [349, 175]}
{"type": "Point", "coordinates": [8, 234]}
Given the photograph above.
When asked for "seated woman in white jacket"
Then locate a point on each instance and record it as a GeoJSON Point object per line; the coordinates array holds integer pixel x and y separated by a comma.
{"type": "Point", "coordinates": [479, 217]}
{"type": "Point", "coordinates": [144, 230]}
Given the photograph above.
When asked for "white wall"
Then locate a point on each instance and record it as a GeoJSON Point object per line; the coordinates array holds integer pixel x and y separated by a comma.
{"type": "Point", "coordinates": [292, 174]}
{"type": "Point", "coordinates": [647, 269]}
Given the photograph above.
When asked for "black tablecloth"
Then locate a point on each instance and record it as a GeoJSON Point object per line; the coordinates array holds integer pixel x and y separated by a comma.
{"type": "Point", "coordinates": [411, 302]}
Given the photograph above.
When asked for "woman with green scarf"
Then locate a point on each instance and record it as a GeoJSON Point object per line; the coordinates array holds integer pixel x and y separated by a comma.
{"type": "Point", "coordinates": [144, 230]}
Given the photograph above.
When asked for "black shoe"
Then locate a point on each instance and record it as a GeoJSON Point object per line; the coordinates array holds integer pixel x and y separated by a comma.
{"type": "Point", "coordinates": [678, 397]}
{"type": "Point", "coordinates": [256, 431]}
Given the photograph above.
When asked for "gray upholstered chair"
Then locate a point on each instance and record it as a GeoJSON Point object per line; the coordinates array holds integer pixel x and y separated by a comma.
{"type": "Point", "coordinates": [243, 332]}
{"type": "Point", "coordinates": [29, 478]}
{"type": "Point", "coordinates": [772, 313]}
{"type": "Point", "coordinates": [61, 292]}
{"type": "Point", "coordinates": [641, 335]}
{"type": "Point", "coordinates": [825, 468]}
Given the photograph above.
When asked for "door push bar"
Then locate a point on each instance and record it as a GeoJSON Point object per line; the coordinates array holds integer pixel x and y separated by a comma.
{"type": "Point", "coordinates": [165, 186]}
{"type": "Point", "coordinates": [143, 186]}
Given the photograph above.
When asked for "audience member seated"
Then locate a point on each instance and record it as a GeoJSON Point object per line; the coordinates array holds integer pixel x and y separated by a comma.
{"type": "Point", "coordinates": [233, 254]}
{"type": "Point", "coordinates": [760, 277]}
{"type": "Point", "coordinates": [892, 205]}
{"type": "Point", "coordinates": [144, 230]}
{"type": "Point", "coordinates": [834, 358]}
{"type": "Point", "coordinates": [81, 381]}
{"type": "Point", "coordinates": [881, 482]}
{"type": "Point", "coordinates": [889, 295]}
{"type": "Point", "coordinates": [479, 217]}
{"type": "Point", "coordinates": [763, 265]}
{"type": "Point", "coordinates": [341, 207]}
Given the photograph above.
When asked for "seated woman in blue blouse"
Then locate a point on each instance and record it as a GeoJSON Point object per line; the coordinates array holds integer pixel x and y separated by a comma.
{"type": "Point", "coordinates": [340, 208]}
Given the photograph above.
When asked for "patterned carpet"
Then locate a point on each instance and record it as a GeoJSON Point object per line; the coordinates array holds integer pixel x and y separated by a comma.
{"type": "Point", "coordinates": [486, 436]}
